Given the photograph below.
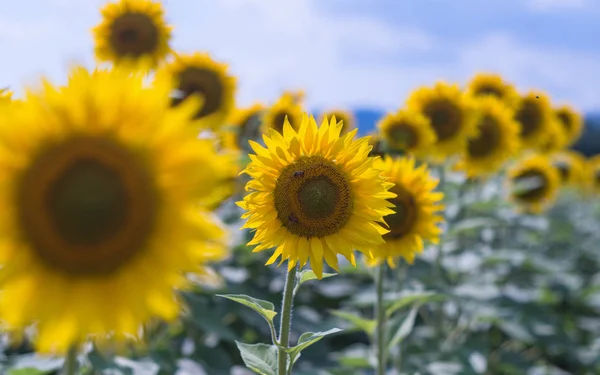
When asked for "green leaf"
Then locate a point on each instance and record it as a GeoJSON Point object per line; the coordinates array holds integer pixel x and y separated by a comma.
{"type": "Point", "coordinates": [264, 308]}
{"type": "Point", "coordinates": [367, 325]}
{"type": "Point", "coordinates": [260, 358]}
{"type": "Point", "coordinates": [28, 371]}
{"type": "Point", "coordinates": [307, 275]}
{"type": "Point", "coordinates": [412, 299]}
{"type": "Point", "coordinates": [307, 339]}
{"type": "Point", "coordinates": [406, 327]}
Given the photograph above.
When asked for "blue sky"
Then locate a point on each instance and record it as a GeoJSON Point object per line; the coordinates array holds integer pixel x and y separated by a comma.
{"type": "Point", "coordinates": [350, 53]}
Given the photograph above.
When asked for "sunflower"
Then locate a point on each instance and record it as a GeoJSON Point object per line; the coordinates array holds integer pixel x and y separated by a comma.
{"type": "Point", "coordinates": [486, 84]}
{"type": "Point", "coordinates": [593, 173]}
{"type": "Point", "coordinates": [296, 96]}
{"type": "Point", "coordinates": [199, 74]}
{"type": "Point", "coordinates": [497, 142]}
{"type": "Point", "coordinates": [533, 183]}
{"type": "Point", "coordinates": [408, 132]}
{"type": "Point", "coordinates": [534, 116]}
{"type": "Point", "coordinates": [102, 214]}
{"type": "Point", "coordinates": [246, 124]}
{"type": "Point", "coordinates": [555, 139]}
{"type": "Point", "coordinates": [451, 115]}
{"type": "Point", "coordinates": [346, 117]}
{"type": "Point", "coordinates": [314, 195]}
{"type": "Point", "coordinates": [571, 167]}
{"type": "Point", "coordinates": [274, 116]}
{"type": "Point", "coordinates": [416, 216]}
{"type": "Point", "coordinates": [376, 144]}
{"type": "Point", "coordinates": [133, 31]}
{"type": "Point", "coordinates": [5, 95]}
{"type": "Point", "coordinates": [571, 122]}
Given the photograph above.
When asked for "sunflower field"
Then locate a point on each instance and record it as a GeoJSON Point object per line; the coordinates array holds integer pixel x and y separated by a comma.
{"type": "Point", "coordinates": [151, 226]}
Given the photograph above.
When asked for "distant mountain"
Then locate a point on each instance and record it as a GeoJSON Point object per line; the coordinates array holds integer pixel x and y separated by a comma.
{"type": "Point", "coordinates": [367, 119]}
{"type": "Point", "coordinates": [588, 144]}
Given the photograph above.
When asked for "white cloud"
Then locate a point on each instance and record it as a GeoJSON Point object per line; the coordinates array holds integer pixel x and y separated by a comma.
{"type": "Point", "coordinates": [339, 60]}
{"type": "Point", "coordinates": [569, 76]}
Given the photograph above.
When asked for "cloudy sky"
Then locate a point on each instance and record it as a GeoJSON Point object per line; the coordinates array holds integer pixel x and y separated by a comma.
{"type": "Point", "coordinates": [358, 53]}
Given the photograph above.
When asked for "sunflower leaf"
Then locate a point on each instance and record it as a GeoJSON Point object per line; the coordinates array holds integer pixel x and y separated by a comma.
{"type": "Point", "coordinates": [406, 327]}
{"type": "Point", "coordinates": [307, 275]}
{"type": "Point", "coordinates": [306, 340]}
{"type": "Point", "coordinates": [366, 325]}
{"type": "Point", "coordinates": [412, 299]}
{"type": "Point", "coordinates": [260, 358]}
{"type": "Point", "coordinates": [264, 308]}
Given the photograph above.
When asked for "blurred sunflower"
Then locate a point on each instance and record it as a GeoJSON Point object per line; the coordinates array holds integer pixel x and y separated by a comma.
{"type": "Point", "coordinates": [571, 122]}
{"type": "Point", "coordinates": [376, 144]}
{"type": "Point", "coordinates": [246, 123]}
{"type": "Point", "coordinates": [101, 217]}
{"type": "Point", "coordinates": [296, 96]}
{"type": "Point", "coordinates": [417, 208]}
{"type": "Point", "coordinates": [408, 132]}
{"type": "Point", "coordinates": [133, 31]}
{"type": "Point", "coordinates": [497, 142]}
{"type": "Point", "coordinates": [451, 115]}
{"type": "Point", "coordinates": [533, 183]}
{"type": "Point", "coordinates": [593, 168]}
{"type": "Point", "coordinates": [486, 84]}
{"type": "Point", "coordinates": [555, 139]}
{"type": "Point", "coordinates": [5, 95]}
{"type": "Point", "coordinates": [274, 116]}
{"type": "Point", "coordinates": [571, 167]}
{"type": "Point", "coordinates": [346, 117]}
{"type": "Point", "coordinates": [534, 116]}
{"type": "Point", "coordinates": [314, 195]}
{"type": "Point", "coordinates": [199, 74]}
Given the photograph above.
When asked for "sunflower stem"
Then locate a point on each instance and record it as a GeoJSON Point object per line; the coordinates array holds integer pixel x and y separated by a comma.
{"type": "Point", "coordinates": [380, 316]}
{"type": "Point", "coordinates": [286, 321]}
{"type": "Point", "coordinates": [439, 259]}
{"type": "Point", "coordinates": [70, 366]}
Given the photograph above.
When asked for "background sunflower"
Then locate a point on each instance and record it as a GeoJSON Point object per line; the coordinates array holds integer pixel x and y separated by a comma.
{"type": "Point", "coordinates": [571, 122]}
{"type": "Point", "coordinates": [488, 84]}
{"type": "Point", "coordinates": [133, 31]}
{"type": "Point", "coordinates": [199, 74]}
{"type": "Point", "coordinates": [274, 116]}
{"type": "Point", "coordinates": [451, 115]}
{"type": "Point", "coordinates": [406, 131]}
{"type": "Point", "coordinates": [346, 117]}
{"type": "Point", "coordinates": [417, 210]}
{"type": "Point", "coordinates": [534, 116]}
{"type": "Point", "coordinates": [496, 143]}
{"type": "Point", "coordinates": [533, 183]}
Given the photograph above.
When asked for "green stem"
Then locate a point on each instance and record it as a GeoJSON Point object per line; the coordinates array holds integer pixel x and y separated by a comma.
{"type": "Point", "coordinates": [401, 273]}
{"type": "Point", "coordinates": [286, 320]}
{"type": "Point", "coordinates": [438, 261]}
{"type": "Point", "coordinates": [380, 316]}
{"type": "Point", "coordinates": [70, 366]}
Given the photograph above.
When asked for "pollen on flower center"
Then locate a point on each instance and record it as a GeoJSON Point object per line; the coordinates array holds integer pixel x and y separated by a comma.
{"type": "Point", "coordinates": [488, 139]}
{"type": "Point", "coordinates": [445, 118]}
{"type": "Point", "coordinates": [87, 205]}
{"type": "Point", "coordinates": [133, 34]}
{"type": "Point", "coordinates": [313, 197]}
{"type": "Point", "coordinates": [402, 221]}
